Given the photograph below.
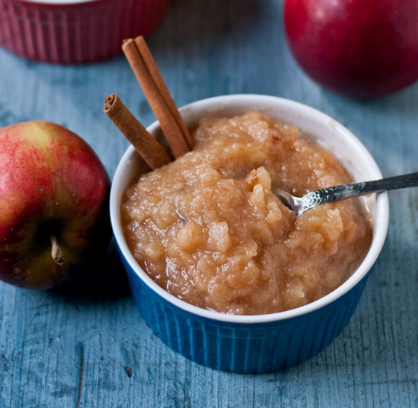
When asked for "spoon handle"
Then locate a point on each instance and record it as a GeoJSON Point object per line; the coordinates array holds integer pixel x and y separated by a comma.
{"type": "Point", "coordinates": [344, 191]}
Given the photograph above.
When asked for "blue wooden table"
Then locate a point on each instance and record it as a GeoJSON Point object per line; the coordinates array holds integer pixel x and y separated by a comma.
{"type": "Point", "coordinates": [61, 345]}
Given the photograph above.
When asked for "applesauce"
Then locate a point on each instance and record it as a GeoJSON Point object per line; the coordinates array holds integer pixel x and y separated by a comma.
{"type": "Point", "coordinates": [208, 229]}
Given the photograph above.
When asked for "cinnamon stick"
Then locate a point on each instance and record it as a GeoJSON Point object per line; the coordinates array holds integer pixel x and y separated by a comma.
{"type": "Point", "coordinates": [158, 103]}
{"type": "Point", "coordinates": [154, 154]}
{"type": "Point", "coordinates": [162, 87]}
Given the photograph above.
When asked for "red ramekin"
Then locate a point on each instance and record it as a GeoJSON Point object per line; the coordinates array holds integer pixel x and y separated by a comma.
{"type": "Point", "coordinates": [75, 31]}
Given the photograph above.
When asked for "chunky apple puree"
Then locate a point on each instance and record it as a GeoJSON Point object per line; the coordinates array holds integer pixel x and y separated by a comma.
{"type": "Point", "coordinates": [208, 229]}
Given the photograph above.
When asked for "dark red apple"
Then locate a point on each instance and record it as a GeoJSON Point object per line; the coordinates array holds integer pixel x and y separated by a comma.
{"type": "Point", "coordinates": [359, 48]}
{"type": "Point", "coordinates": [53, 205]}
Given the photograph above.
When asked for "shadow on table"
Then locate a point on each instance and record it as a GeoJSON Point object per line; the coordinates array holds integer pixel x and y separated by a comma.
{"type": "Point", "coordinates": [108, 282]}
{"type": "Point", "coordinates": [190, 23]}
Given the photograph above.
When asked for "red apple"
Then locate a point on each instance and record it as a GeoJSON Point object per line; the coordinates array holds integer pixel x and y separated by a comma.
{"type": "Point", "coordinates": [53, 205]}
{"type": "Point", "coordinates": [359, 48]}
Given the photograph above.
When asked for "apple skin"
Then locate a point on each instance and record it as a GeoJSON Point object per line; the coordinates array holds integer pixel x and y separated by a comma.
{"type": "Point", "coordinates": [359, 48]}
{"type": "Point", "coordinates": [51, 183]}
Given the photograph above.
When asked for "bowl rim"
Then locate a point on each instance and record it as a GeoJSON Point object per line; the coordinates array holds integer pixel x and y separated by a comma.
{"type": "Point", "coordinates": [379, 231]}
{"type": "Point", "coordinates": [58, 2]}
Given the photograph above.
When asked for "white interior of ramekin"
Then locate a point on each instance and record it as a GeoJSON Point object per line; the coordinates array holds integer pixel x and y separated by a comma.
{"type": "Point", "coordinates": [325, 130]}
{"type": "Point", "coordinates": [59, 2]}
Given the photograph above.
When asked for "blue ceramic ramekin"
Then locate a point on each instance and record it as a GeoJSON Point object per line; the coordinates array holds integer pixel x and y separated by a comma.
{"type": "Point", "coordinates": [260, 343]}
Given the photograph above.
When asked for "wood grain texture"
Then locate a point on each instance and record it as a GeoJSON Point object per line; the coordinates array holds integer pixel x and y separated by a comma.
{"type": "Point", "coordinates": [206, 48]}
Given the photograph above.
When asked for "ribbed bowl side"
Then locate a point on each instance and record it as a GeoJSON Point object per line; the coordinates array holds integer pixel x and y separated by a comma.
{"type": "Point", "coordinates": [244, 348]}
{"type": "Point", "coordinates": [78, 33]}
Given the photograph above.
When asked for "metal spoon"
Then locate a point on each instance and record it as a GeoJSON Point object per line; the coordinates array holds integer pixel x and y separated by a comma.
{"type": "Point", "coordinates": [342, 192]}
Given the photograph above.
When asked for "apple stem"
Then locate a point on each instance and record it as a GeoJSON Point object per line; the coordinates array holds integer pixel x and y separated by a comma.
{"type": "Point", "coordinates": [56, 253]}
